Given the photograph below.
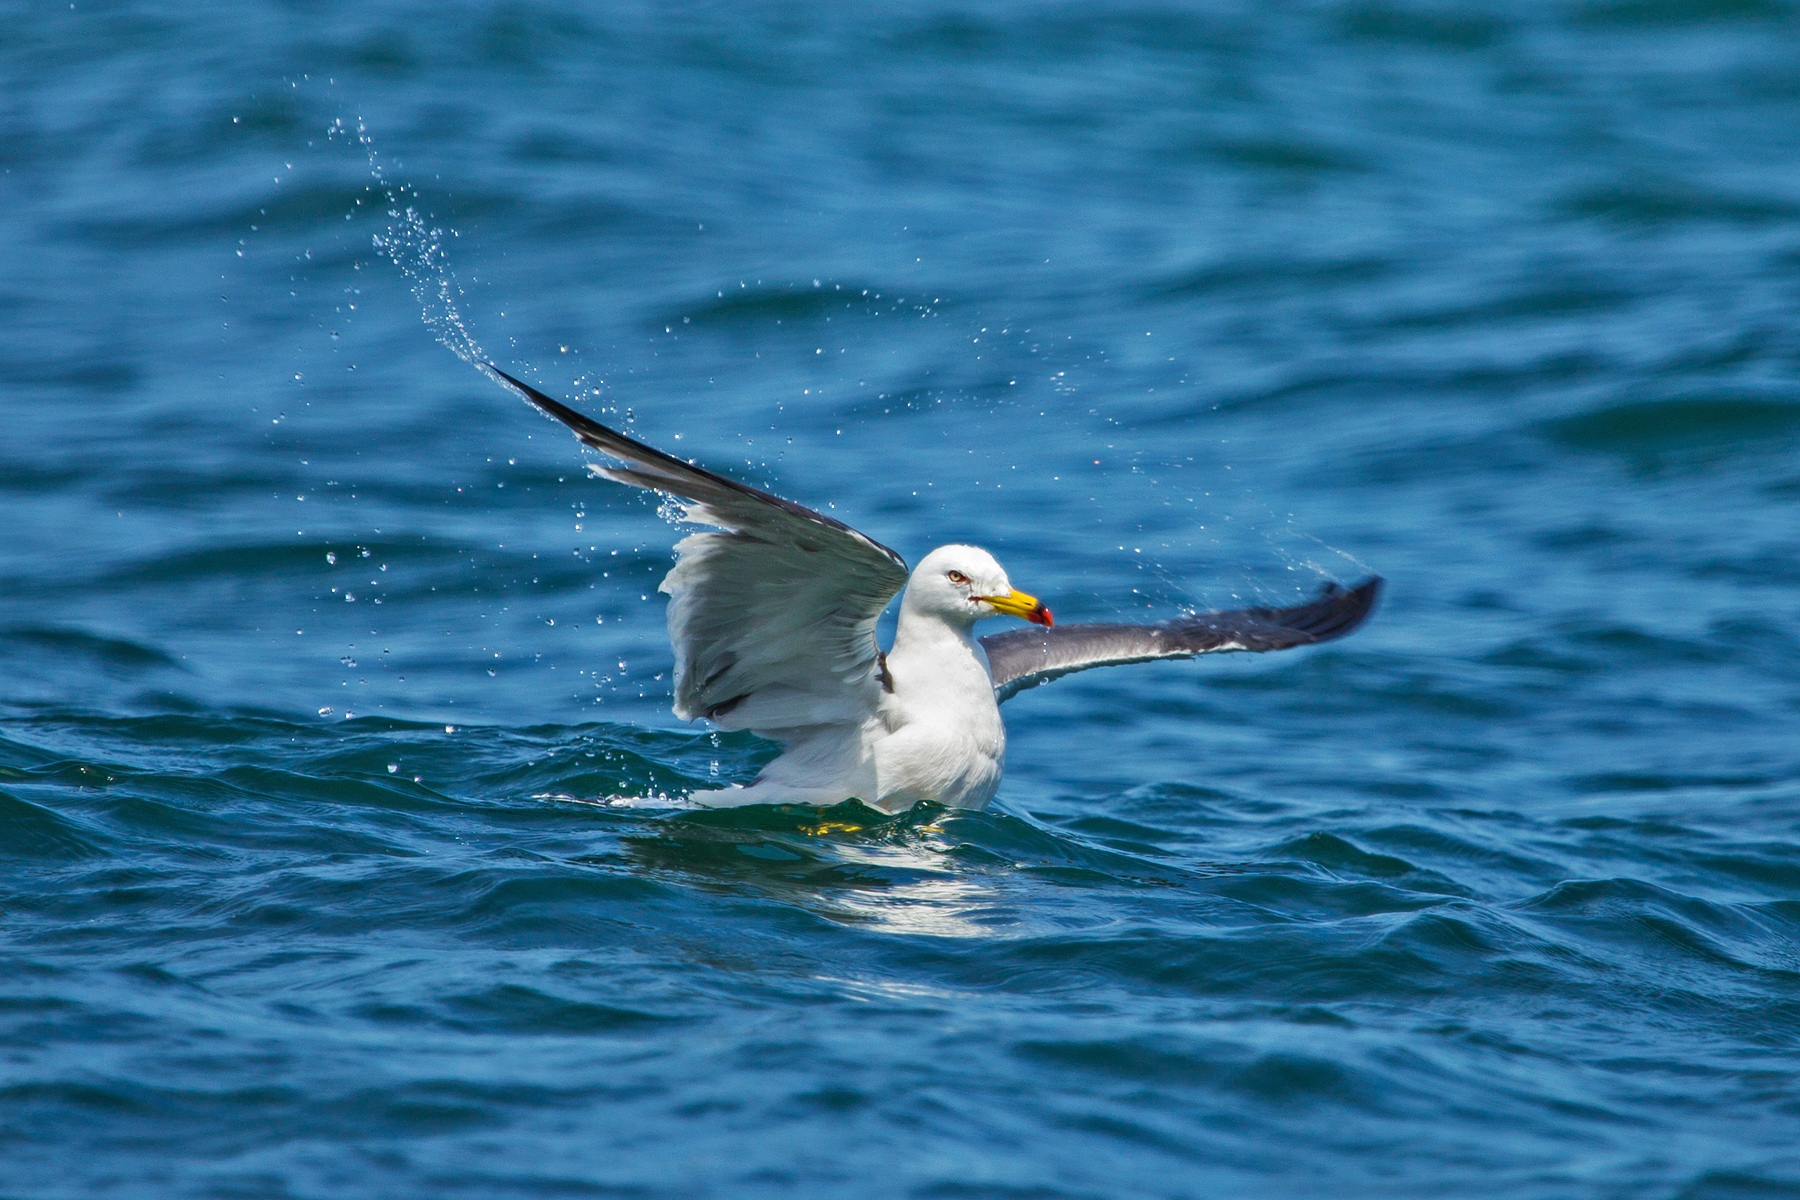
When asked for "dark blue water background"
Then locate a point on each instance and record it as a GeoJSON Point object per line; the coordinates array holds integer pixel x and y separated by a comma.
{"type": "Point", "coordinates": [312, 640]}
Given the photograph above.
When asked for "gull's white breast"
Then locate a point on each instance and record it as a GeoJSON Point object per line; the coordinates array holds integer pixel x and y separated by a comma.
{"type": "Point", "coordinates": [944, 737]}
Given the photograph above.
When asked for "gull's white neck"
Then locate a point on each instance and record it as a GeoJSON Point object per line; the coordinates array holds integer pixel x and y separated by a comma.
{"type": "Point", "coordinates": [937, 656]}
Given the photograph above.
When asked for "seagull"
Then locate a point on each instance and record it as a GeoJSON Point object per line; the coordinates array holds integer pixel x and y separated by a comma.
{"type": "Point", "coordinates": [772, 615]}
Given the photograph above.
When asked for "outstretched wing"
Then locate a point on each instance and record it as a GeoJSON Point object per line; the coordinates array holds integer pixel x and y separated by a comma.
{"type": "Point", "coordinates": [1024, 658]}
{"type": "Point", "coordinates": [773, 617]}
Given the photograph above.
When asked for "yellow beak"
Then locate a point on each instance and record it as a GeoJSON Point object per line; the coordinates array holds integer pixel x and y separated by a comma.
{"type": "Point", "coordinates": [1017, 604]}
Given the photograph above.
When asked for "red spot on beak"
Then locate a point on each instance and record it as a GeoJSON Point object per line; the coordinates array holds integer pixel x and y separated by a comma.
{"type": "Point", "coordinates": [1041, 616]}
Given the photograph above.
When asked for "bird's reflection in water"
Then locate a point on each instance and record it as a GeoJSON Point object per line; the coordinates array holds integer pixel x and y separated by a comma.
{"type": "Point", "coordinates": [847, 864]}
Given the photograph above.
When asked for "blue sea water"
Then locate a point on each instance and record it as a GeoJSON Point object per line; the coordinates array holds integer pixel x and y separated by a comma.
{"type": "Point", "coordinates": [317, 649]}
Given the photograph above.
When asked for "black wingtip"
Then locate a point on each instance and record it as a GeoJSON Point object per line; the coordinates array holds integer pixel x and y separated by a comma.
{"type": "Point", "coordinates": [560, 411]}
{"type": "Point", "coordinates": [1342, 610]}
{"type": "Point", "coordinates": [518, 385]}
{"type": "Point", "coordinates": [555, 408]}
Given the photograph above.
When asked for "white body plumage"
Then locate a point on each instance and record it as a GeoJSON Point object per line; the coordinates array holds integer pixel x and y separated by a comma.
{"type": "Point", "coordinates": [935, 731]}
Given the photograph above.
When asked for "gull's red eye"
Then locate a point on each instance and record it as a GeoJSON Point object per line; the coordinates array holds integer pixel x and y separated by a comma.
{"type": "Point", "coordinates": [958, 577]}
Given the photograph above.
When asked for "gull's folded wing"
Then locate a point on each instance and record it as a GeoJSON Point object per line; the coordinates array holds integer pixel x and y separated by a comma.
{"type": "Point", "coordinates": [1024, 658]}
{"type": "Point", "coordinates": [772, 619]}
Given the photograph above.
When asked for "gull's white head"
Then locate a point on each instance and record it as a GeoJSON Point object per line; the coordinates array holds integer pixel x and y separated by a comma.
{"type": "Point", "coordinates": [963, 584]}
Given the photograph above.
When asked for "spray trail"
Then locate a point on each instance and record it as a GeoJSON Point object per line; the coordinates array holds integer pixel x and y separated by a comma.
{"type": "Point", "coordinates": [417, 248]}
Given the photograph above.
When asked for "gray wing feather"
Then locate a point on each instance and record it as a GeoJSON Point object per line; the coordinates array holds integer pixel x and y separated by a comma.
{"type": "Point", "coordinates": [648, 467]}
{"type": "Point", "coordinates": [773, 617]}
{"type": "Point", "coordinates": [1024, 658]}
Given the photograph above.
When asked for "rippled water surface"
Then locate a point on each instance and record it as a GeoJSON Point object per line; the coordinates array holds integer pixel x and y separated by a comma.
{"type": "Point", "coordinates": [323, 665]}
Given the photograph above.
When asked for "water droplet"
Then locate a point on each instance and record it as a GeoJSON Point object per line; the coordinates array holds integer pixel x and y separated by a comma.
{"type": "Point", "coordinates": [392, 767]}
{"type": "Point", "coordinates": [326, 711]}
{"type": "Point", "coordinates": [331, 558]}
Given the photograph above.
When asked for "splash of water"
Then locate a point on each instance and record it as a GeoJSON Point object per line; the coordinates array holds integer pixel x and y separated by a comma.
{"type": "Point", "coordinates": [416, 246]}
